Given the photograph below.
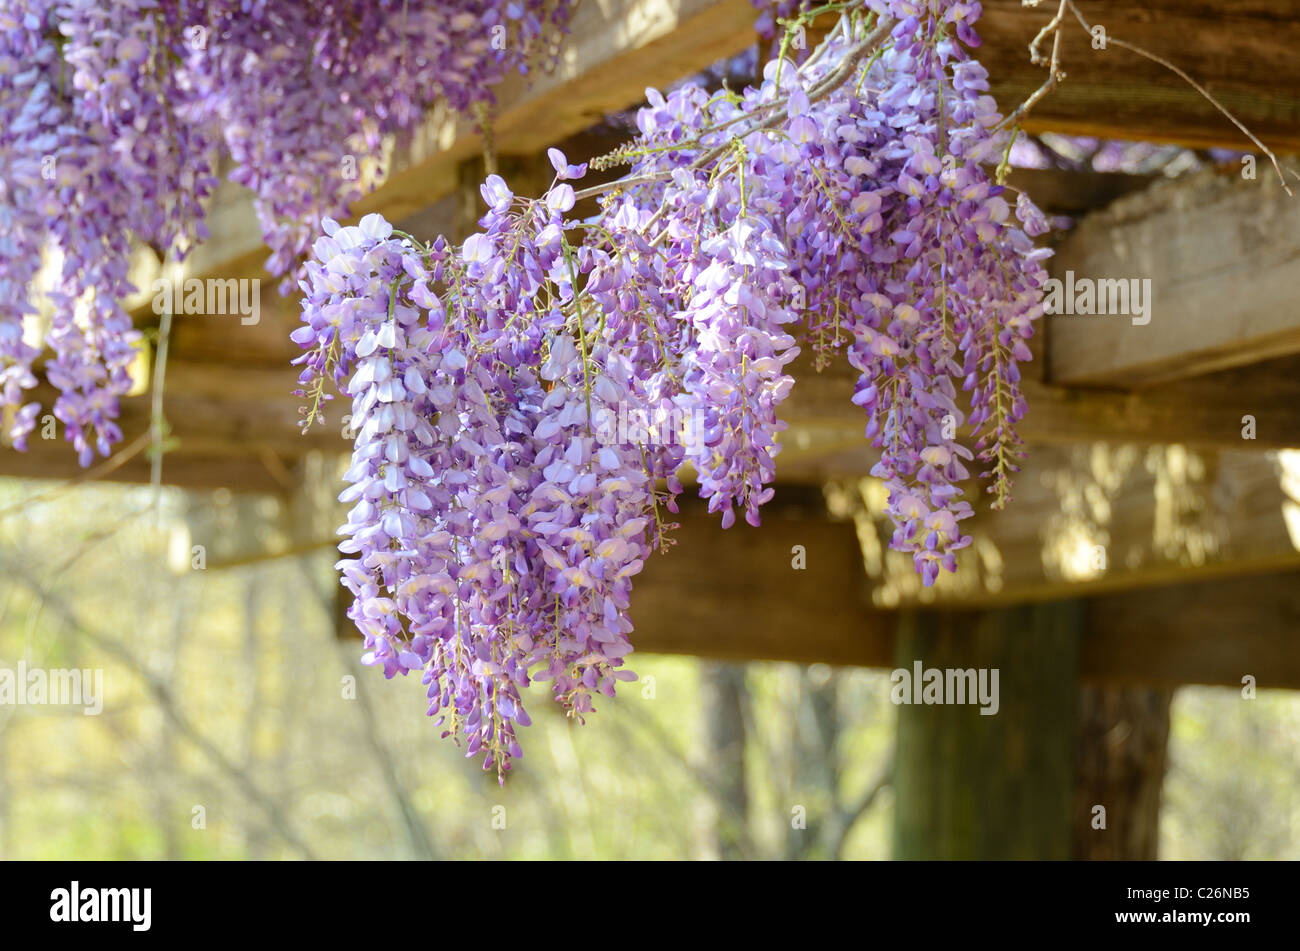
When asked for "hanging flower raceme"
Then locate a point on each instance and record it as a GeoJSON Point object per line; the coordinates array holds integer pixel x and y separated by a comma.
{"type": "Point", "coordinates": [495, 523]}
{"type": "Point", "coordinates": [111, 119]}
{"type": "Point", "coordinates": [527, 400]}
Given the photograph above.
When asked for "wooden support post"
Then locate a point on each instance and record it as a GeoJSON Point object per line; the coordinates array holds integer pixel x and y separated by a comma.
{"type": "Point", "coordinates": [975, 786]}
{"type": "Point", "coordinates": [723, 687]}
{"type": "Point", "coordinates": [1123, 736]}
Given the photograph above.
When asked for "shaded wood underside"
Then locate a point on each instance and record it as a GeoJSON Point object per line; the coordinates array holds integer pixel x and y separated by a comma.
{"type": "Point", "coordinates": [735, 595]}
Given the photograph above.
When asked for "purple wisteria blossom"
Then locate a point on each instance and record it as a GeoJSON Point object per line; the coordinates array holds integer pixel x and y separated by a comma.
{"type": "Point", "coordinates": [112, 117]}
{"type": "Point", "coordinates": [840, 205]}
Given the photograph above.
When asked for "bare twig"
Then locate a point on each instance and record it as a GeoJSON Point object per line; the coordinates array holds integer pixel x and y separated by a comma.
{"type": "Point", "coordinates": [1183, 75]}
{"type": "Point", "coordinates": [1054, 72]}
{"type": "Point", "coordinates": [416, 833]}
{"type": "Point", "coordinates": [849, 817]}
{"type": "Point", "coordinates": [702, 778]}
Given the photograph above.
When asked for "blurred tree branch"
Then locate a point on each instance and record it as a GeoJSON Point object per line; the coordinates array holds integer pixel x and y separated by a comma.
{"type": "Point", "coordinates": [336, 609]}
{"type": "Point", "coordinates": [166, 703]}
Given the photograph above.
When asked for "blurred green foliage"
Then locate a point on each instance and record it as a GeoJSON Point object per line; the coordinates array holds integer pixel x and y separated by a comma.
{"type": "Point", "coordinates": [245, 662]}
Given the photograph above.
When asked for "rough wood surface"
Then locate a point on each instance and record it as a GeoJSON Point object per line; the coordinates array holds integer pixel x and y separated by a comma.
{"type": "Point", "coordinates": [1242, 51]}
{"type": "Point", "coordinates": [1123, 741]}
{"type": "Point", "coordinates": [1222, 256]}
{"type": "Point", "coordinates": [971, 786]}
{"type": "Point", "coordinates": [1204, 411]}
{"type": "Point", "coordinates": [737, 594]}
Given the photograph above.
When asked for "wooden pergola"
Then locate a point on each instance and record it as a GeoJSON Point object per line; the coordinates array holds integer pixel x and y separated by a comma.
{"type": "Point", "coordinates": [1155, 536]}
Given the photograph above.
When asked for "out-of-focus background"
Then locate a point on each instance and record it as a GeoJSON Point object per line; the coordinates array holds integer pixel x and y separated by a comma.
{"type": "Point", "coordinates": [236, 724]}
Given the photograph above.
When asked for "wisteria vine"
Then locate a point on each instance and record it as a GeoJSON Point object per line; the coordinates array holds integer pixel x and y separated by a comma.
{"type": "Point", "coordinates": [501, 506]}
{"type": "Point", "coordinates": [113, 117]}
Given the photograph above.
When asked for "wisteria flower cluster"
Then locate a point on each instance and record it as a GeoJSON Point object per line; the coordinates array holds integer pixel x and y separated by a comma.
{"type": "Point", "coordinates": [840, 205]}
{"type": "Point", "coordinates": [112, 118]}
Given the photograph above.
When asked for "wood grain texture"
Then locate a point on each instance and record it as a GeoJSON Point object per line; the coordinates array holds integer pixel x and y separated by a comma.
{"type": "Point", "coordinates": [1204, 411]}
{"type": "Point", "coordinates": [1098, 518]}
{"type": "Point", "coordinates": [1222, 256]}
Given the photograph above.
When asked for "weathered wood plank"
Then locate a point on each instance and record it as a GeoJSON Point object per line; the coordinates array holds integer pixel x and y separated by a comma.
{"type": "Point", "coordinates": [1086, 520]}
{"type": "Point", "coordinates": [1215, 633]}
{"type": "Point", "coordinates": [1241, 52]}
{"type": "Point", "coordinates": [614, 50]}
{"type": "Point", "coordinates": [741, 595]}
{"type": "Point", "coordinates": [1205, 411]}
{"type": "Point", "coordinates": [1217, 261]}
{"type": "Point", "coordinates": [190, 470]}
{"type": "Point", "coordinates": [220, 410]}
{"type": "Point", "coordinates": [735, 595]}
{"type": "Point", "coordinates": [1098, 518]}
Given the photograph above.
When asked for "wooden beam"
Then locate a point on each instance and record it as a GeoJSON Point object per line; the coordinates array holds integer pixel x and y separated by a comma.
{"type": "Point", "coordinates": [223, 411]}
{"type": "Point", "coordinates": [190, 470]}
{"type": "Point", "coordinates": [224, 406]}
{"type": "Point", "coordinates": [228, 394]}
{"type": "Point", "coordinates": [1195, 633]}
{"type": "Point", "coordinates": [1219, 260]}
{"type": "Point", "coordinates": [1205, 411]}
{"type": "Point", "coordinates": [1098, 518]}
{"type": "Point", "coordinates": [230, 427]}
{"type": "Point", "coordinates": [738, 594]}
{"type": "Point", "coordinates": [1086, 520]}
{"type": "Point", "coordinates": [614, 50]}
{"type": "Point", "coordinates": [735, 595]}
{"type": "Point", "coordinates": [1243, 53]}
